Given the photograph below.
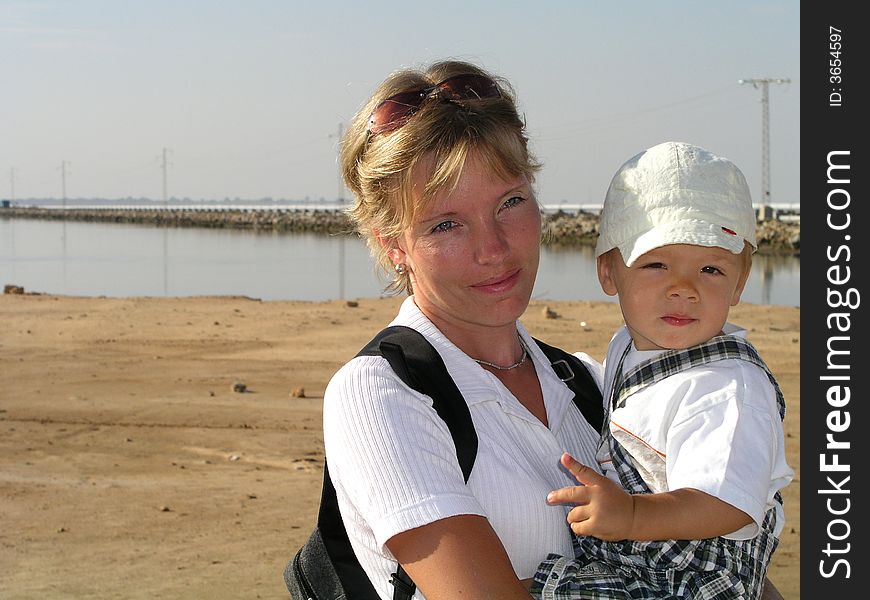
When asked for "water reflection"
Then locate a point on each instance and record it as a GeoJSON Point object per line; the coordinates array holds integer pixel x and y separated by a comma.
{"type": "Point", "coordinates": [766, 269]}
{"type": "Point", "coordinates": [93, 259]}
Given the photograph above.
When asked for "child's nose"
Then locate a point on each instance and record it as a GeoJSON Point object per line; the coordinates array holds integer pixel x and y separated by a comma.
{"type": "Point", "coordinates": [683, 288]}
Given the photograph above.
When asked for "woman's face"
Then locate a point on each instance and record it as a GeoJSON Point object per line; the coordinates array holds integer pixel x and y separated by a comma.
{"type": "Point", "coordinates": [473, 253]}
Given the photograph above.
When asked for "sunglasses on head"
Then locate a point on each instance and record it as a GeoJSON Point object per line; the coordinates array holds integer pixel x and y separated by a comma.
{"type": "Point", "coordinates": [396, 110]}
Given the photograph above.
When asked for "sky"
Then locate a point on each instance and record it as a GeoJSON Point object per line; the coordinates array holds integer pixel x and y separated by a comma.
{"type": "Point", "coordinates": [246, 100]}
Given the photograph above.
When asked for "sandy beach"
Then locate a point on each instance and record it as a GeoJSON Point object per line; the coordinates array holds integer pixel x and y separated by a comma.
{"type": "Point", "coordinates": [172, 447]}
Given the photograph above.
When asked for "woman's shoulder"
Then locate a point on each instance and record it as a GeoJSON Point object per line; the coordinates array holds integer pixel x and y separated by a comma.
{"type": "Point", "coordinates": [362, 375]}
{"type": "Point", "coordinates": [595, 368]}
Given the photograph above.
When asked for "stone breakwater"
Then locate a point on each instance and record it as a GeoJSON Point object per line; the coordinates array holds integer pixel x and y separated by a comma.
{"type": "Point", "coordinates": [313, 221]}
{"type": "Point", "coordinates": [773, 236]}
{"type": "Point", "coordinates": [566, 229]}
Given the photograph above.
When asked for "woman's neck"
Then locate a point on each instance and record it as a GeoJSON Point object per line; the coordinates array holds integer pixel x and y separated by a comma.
{"type": "Point", "coordinates": [498, 344]}
{"type": "Point", "coordinates": [499, 349]}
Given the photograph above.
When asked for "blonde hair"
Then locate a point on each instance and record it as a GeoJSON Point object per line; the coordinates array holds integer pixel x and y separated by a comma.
{"type": "Point", "coordinates": [378, 168]}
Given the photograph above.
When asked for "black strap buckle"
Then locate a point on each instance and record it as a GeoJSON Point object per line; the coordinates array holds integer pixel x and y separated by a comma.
{"type": "Point", "coordinates": [404, 587]}
{"type": "Point", "coordinates": [563, 370]}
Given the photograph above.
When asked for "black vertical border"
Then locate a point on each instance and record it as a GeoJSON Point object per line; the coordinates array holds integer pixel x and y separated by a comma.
{"type": "Point", "coordinates": [833, 124]}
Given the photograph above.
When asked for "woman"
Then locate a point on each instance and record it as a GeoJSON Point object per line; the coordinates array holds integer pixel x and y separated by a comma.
{"type": "Point", "coordinates": [439, 163]}
{"type": "Point", "coordinates": [440, 167]}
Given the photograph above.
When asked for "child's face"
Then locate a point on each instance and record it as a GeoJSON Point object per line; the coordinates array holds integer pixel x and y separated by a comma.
{"type": "Point", "coordinates": [675, 296]}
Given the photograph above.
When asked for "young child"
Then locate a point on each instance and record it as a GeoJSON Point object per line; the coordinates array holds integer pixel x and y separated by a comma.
{"type": "Point", "coordinates": [695, 437]}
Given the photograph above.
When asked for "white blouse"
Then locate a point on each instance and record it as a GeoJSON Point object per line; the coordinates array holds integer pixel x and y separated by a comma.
{"type": "Point", "coordinates": [394, 466]}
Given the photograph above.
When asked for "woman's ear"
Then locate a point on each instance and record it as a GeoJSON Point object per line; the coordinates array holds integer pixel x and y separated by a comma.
{"type": "Point", "coordinates": [605, 271]}
{"type": "Point", "coordinates": [391, 247]}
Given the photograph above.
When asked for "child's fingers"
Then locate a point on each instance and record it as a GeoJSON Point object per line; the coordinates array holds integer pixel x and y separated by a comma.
{"type": "Point", "coordinates": [577, 516]}
{"type": "Point", "coordinates": [581, 472]}
{"type": "Point", "coordinates": [569, 495]}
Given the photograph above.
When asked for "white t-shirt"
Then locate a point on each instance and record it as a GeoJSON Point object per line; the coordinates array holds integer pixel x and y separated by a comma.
{"type": "Point", "coordinates": [394, 466]}
{"type": "Point", "coordinates": [714, 428]}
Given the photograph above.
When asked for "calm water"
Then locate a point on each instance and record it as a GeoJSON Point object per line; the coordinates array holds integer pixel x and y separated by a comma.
{"type": "Point", "coordinates": [93, 259]}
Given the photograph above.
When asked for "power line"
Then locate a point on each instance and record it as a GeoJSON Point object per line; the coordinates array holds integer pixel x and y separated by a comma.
{"type": "Point", "coordinates": [764, 85]}
{"type": "Point", "coordinates": [63, 166]}
{"type": "Point", "coordinates": [165, 168]}
{"type": "Point", "coordinates": [568, 130]}
{"type": "Point", "coordinates": [338, 138]}
{"type": "Point", "coordinates": [341, 250]}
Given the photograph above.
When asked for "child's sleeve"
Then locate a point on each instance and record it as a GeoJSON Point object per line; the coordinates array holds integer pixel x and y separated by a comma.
{"type": "Point", "coordinates": [728, 440]}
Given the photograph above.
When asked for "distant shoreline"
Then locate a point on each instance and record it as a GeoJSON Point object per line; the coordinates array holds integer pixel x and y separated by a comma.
{"type": "Point", "coordinates": [560, 228]}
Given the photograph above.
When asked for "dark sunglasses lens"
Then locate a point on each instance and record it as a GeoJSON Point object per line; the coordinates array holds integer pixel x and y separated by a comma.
{"type": "Point", "coordinates": [470, 87]}
{"type": "Point", "coordinates": [395, 110]}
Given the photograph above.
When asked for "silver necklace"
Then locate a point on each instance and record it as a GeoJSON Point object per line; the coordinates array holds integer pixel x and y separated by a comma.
{"type": "Point", "coordinates": [519, 363]}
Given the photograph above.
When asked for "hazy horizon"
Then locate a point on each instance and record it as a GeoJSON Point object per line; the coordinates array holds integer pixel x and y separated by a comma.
{"type": "Point", "coordinates": [247, 100]}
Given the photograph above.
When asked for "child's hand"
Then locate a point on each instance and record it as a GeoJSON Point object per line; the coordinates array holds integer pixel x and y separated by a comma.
{"type": "Point", "coordinates": [604, 510]}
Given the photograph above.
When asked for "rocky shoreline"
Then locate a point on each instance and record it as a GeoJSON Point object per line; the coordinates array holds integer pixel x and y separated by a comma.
{"type": "Point", "coordinates": [560, 229]}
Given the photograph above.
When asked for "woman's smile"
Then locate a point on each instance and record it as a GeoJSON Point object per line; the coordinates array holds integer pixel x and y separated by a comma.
{"type": "Point", "coordinates": [500, 283]}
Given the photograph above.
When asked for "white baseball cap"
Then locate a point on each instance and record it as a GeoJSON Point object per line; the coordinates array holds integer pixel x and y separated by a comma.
{"type": "Point", "coordinates": [676, 193]}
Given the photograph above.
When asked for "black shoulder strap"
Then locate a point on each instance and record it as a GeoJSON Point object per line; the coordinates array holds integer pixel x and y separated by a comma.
{"type": "Point", "coordinates": [353, 579]}
{"type": "Point", "coordinates": [420, 366]}
{"type": "Point", "coordinates": [575, 374]}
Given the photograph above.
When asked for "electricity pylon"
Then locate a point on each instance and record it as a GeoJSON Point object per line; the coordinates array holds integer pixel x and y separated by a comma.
{"type": "Point", "coordinates": [764, 85]}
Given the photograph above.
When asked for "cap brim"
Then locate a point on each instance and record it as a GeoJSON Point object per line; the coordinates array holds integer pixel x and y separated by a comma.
{"type": "Point", "coordinates": [696, 233]}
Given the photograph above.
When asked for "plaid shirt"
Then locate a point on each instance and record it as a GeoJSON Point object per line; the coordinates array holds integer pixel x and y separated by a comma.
{"type": "Point", "coordinates": [709, 569]}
